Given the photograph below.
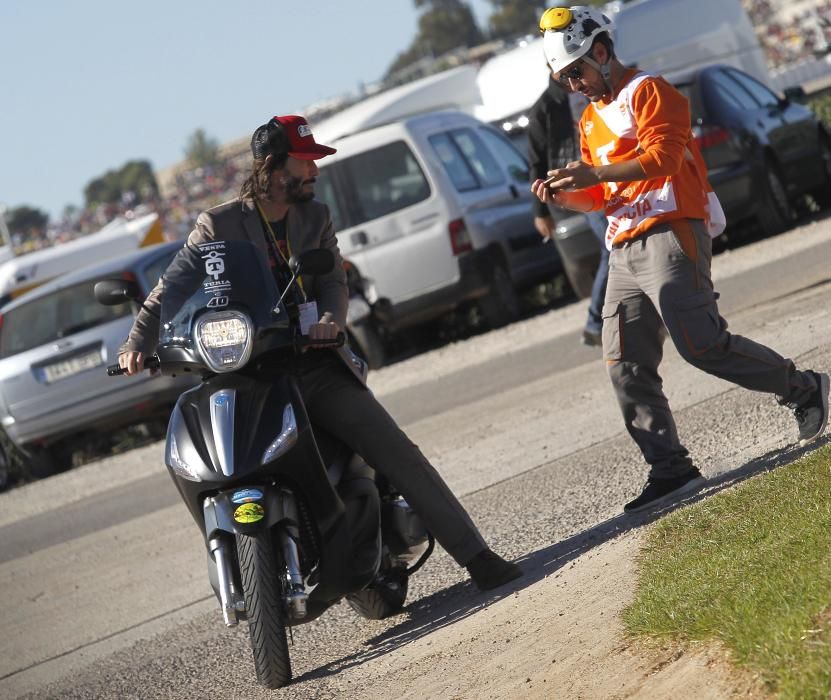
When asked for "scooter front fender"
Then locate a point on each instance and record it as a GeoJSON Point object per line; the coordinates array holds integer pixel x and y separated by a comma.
{"type": "Point", "coordinates": [243, 510]}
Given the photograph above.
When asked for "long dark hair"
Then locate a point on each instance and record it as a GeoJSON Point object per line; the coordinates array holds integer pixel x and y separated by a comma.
{"type": "Point", "coordinates": [268, 140]}
{"type": "Point", "coordinates": [258, 183]}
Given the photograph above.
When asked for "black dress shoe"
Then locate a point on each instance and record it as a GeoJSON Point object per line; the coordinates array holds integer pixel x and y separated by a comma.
{"type": "Point", "coordinates": [488, 570]}
{"type": "Point", "coordinates": [659, 491]}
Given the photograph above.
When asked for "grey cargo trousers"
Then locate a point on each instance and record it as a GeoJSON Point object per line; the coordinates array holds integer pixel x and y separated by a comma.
{"type": "Point", "coordinates": [336, 401]}
{"type": "Point", "coordinates": [660, 283]}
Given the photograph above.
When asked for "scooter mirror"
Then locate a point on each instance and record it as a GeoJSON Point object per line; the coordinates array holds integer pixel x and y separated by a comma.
{"type": "Point", "coordinates": [313, 262]}
{"type": "Point", "coordinates": [116, 291]}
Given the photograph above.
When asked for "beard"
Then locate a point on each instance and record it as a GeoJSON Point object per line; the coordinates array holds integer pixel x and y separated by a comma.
{"type": "Point", "coordinates": [294, 190]}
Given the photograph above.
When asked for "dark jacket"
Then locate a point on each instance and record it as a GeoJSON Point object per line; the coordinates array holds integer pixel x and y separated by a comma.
{"type": "Point", "coordinates": [308, 226]}
{"type": "Point", "coordinates": [551, 136]}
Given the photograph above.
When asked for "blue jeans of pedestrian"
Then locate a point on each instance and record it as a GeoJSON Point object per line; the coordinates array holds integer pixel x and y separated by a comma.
{"type": "Point", "coordinates": [594, 323]}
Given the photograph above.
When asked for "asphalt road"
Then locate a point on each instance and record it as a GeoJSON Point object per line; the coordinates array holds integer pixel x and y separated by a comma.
{"type": "Point", "coordinates": [106, 595]}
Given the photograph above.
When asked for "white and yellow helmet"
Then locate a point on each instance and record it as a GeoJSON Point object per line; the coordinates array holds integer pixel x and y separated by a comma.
{"type": "Point", "coordinates": [568, 33]}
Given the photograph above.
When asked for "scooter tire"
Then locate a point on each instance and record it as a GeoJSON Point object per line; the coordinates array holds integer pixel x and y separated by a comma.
{"type": "Point", "coordinates": [260, 572]}
{"type": "Point", "coordinates": [381, 599]}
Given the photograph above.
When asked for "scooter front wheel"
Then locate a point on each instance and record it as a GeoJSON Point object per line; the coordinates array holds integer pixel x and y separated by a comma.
{"type": "Point", "coordinates": [260, 571]}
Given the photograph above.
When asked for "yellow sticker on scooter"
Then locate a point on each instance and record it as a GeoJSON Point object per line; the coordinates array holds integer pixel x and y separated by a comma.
{"type": "Point", "coordinates": [249, 513]}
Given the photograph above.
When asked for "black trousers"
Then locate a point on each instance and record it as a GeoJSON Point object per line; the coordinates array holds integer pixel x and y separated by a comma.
{"type": "Point", "coordinates": [339, 403]}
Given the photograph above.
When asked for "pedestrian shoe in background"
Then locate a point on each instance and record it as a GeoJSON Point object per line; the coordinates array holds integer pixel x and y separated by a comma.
{"type": "Point", "coordinates": [812, 415]}
{"type": "Point", "coordinates": [659, 490]}
{"type": "Point", "coordinates": [592, 338]}
{"type": "Point", "coordinates": [489, 570]}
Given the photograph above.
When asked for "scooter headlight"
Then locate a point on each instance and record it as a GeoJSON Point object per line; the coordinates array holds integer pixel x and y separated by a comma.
{"type": "Point", "coordinates": [175, 461]}
{"type": "Point", "coordinates": [225, 339]}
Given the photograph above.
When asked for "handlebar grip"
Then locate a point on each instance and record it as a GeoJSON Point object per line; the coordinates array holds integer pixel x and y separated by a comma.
{"type": "Point", "coordinates": [151, 362]}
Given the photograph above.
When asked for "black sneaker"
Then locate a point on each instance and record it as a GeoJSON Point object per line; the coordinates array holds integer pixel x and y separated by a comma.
{"type": "Point", "coordinates": [657, 490]}
{"type": "Point", "coordinates": [489, 570]}
{"type": "Point", "coordinates": [592, 338]}
{"type": "Point", "coordinates": [812, 415]}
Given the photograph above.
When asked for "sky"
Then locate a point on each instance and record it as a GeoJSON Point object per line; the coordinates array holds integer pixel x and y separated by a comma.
{"type": "Point", "coordinates": [87, 85]}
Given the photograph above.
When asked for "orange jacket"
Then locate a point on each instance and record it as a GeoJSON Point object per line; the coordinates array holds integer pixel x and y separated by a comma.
{"type": "Point", "coordinates": [647, 119]}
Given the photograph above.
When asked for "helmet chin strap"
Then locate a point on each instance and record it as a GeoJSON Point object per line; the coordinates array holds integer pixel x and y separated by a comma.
{"type": "Point", "coordinates": [605, 71]}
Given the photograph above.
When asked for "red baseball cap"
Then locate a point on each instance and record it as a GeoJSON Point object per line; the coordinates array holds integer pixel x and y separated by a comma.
{"type": "Point", "coordinates": [290, 134]}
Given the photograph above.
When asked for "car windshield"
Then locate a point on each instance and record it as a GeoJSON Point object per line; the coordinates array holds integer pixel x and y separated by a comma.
{"type": "Point", "coordinates": [216, 276]}
{"type": "Point", "coordinates": [53, 317]}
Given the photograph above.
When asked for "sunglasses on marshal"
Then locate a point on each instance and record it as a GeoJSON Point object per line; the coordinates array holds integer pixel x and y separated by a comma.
{"type": "Point", "coordinates": [574, 72]}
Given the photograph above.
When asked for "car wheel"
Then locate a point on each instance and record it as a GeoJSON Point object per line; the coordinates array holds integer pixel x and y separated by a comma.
{"type": "Point", "coordinates": [500, 306]}
{"type": "Point", "coordinates": [4, 468]}
{"type": "Point", "coordinates": [579, 271]}
{"type": "Point", "coordinates": [47, 462]}
{"type": "Point", "coordinates": [776, 214]}
{"type": "Point", "coordinates": [580, 278]}
{"type": "Point", "coordinates": [367, 344]}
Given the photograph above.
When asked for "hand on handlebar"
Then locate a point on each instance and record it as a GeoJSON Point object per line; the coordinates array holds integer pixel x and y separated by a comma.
{"type": "Point", "coordinates": [132, 362]}
{"type": "Point", "coordinates": [325, 330]}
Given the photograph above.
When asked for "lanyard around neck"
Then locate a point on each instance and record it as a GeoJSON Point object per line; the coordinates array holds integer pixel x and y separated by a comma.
{"type": "Point", "coordinates": [276, 244]}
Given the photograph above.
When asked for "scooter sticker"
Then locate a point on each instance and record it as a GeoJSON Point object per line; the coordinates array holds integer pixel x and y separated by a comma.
{"type": "Point", "coordinates": [246, 496]}
{"type": "Point", "coordinates": [249, 513]}
{"type": "Point", "coordinates": [214, 269]}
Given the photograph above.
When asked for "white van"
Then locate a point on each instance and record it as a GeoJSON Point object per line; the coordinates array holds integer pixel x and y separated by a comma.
{"type": "Point", "coordinates": [434, 210]}
{"type": "Point", "coordinates": [675, 38]}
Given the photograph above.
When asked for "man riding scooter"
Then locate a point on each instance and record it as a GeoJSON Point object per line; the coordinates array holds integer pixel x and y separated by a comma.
{"type": "Point", "coordinates": [276, 211]}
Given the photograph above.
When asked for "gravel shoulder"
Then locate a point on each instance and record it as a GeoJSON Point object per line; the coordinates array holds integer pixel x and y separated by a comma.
{"type": "Point", "coordinates": [560, 637]}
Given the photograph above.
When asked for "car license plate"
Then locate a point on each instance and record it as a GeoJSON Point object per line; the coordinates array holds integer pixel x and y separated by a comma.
{"type": "Point", "coordinates": [72, 366]}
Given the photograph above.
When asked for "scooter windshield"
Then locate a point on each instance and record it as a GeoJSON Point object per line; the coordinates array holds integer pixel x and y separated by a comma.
{"type": "Point", "coordinates": [215, 277]}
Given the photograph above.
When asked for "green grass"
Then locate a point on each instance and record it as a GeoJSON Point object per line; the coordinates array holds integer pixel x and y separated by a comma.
{"type": "Point", "coordinates": [750, 567]}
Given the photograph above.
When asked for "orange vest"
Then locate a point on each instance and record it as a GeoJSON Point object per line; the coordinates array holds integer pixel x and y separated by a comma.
{"type": "Point", "coordinates": [649, 120]}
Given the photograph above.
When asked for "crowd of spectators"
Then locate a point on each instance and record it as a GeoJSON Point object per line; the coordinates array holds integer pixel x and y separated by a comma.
{"type": "Point", "coordinates": [791, 32]}
{"type": "Point", "coordinates": [194, 190]}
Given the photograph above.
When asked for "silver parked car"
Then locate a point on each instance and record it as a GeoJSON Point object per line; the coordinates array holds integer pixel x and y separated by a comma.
{"type": "Point", "coordinates": [55, 342]}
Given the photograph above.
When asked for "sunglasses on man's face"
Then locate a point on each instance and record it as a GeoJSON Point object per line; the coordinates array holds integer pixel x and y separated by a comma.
{"type": "Point", "coordinates": [574, 72]}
